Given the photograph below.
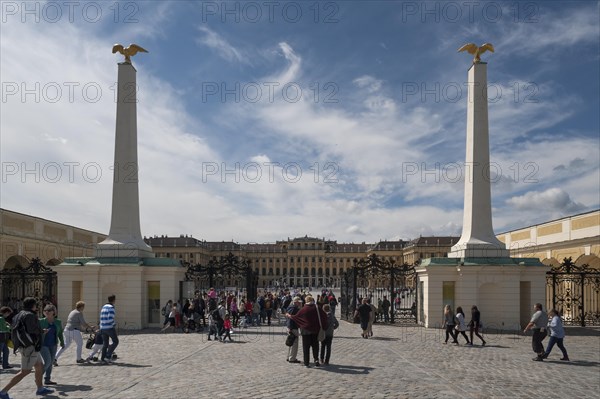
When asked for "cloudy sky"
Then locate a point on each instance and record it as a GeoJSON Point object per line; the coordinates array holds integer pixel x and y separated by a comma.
{"type": "Point", "coordinates": [259, 121]}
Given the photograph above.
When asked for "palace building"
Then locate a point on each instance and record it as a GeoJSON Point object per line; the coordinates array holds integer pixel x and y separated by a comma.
{"type": "Point", "coordinates": [300, 261]}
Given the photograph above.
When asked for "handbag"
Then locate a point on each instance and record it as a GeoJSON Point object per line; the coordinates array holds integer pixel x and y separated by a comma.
{"type": "Point", "coordinates": [321, 336]}
{"type": "Point", "coordinates": [291, 338]}
{"type": "Point", "coordinates": [89, 344]}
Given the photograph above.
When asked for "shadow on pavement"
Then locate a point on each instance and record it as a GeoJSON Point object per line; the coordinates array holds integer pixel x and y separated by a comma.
{"type": "Point", "coordinates": [65, 390]}
{"type": "Point", "coordinates": [581, 363]}
{"type": "Point", "coordinates": [378, 338]}
{"type": "Point", "coordinates": [130, 365]}
{"type": "Point", "coordinates": [343, 369]}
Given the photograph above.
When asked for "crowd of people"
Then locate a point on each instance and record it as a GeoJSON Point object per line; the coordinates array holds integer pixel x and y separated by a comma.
{"type": "Point", "coordinates": [40, 341]}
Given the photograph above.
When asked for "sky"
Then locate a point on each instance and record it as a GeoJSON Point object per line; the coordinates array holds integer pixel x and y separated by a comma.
{"type": "Point", "coordinates": [262, 121]}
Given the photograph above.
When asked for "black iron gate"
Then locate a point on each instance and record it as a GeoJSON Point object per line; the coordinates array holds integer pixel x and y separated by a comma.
{"type": "Point", "coordinates": [574, 291]}
{"type": "Point", "coordinates": [374, 278]}
{"type": "Point", "coordinates": [35, 280]}
{"type": "Point", "coordinates": [226, 273]}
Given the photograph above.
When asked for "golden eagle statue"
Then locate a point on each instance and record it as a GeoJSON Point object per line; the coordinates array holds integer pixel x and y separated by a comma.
{"type": "Point", "coordinates": [476, 51]}
{"type": "Point", "coordinates": [128, 52]}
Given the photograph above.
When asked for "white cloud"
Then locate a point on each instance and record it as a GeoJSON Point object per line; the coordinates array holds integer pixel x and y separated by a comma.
{"type": "Point", "coordinates": [553, 199]}
{"type": "Point", "coordinates": [366, 139]}
{"type": "Point", "coordinates": [223, 48]}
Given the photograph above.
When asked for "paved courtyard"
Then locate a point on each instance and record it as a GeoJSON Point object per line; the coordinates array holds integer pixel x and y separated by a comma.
{"type": "Point", "coordinates": [398, 362]}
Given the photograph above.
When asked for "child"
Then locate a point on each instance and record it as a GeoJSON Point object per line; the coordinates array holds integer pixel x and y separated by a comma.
{"type": "Point", "coordinates": [96, 348]}
{"type": "Point", "coordinates": [171, 321]}
{"type": "Point", "coordinates": [212, 327]}
{"type": "Point", "coordinates": [227, 328]}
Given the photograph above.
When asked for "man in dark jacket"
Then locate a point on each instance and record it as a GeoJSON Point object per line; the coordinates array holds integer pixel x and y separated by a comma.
{"type": "Point", "coordinates": [27, 339]}
{"type": "Point", "coordinates": [293, 329]}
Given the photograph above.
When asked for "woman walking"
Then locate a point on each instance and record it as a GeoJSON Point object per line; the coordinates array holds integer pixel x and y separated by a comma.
{"type": "Point", "coordinates": [363, 312]}
{"type": "Point", "coordinates": [75, 324]}
{"type": "Point", "coordinates": [53, 334]}
{"type": "Point", "coordinates": [461, 326]}
{"type": "Point", "coordinates": [474, 324]}
{"type": "Point", "coordinates": [557, 334]}
{"type": "Point", "coordinates": [449, 324]}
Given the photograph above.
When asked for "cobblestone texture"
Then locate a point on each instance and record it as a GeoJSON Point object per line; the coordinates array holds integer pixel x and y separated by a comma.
{"type": "Point", "coordinates": [398, 362]}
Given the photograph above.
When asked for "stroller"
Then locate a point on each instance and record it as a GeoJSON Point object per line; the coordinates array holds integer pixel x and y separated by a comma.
{"type": "Point", "coordinates": [94, 342]}
{"type": "Point", "coordinates": [190, 324]}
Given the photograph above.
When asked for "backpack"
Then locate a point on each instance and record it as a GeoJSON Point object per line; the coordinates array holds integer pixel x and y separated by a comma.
{"type": "Point", "coordinates": [216, 316]}
{"type": "Point", "coordinates": [19, 335]}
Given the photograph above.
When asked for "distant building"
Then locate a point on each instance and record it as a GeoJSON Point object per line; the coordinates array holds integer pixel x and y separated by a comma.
{"type": "Point", "coordinates": [577, 237]}
{"type": "Point", "coordinates": [300, 261]}
{"type": "Point", "coordinates": [24, 237]}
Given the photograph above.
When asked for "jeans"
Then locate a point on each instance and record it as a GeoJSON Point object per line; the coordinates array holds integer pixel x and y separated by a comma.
{"type": "Point", "coordinates": [559, 343]}
{"type": "Point", "coordinates": [326, 348]}
{"type": "Point", "coordinates": [450, 333]}
{"type": "Point", "coordinates": [5, 353]}
{"type": "Point", "coordinates": [48, 353]}
{"type": "Point", "coordinates": [108, 350]}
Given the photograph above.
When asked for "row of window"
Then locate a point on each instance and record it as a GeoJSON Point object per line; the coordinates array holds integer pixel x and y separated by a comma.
{"type": "Point", "coordinates": [299, 272]}
{"type": "Point", "coordinates": [277, 260]}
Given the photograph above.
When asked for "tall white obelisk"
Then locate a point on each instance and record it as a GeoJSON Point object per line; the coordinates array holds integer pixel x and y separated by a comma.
{"type": "Point", "coordinates": [125, 239]}
{"type": "Point", "coordinates": [478, 239]}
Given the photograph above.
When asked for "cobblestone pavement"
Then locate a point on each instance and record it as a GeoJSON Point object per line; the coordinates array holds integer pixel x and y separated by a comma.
{"type": "Point", "coordinates": [398, 362]}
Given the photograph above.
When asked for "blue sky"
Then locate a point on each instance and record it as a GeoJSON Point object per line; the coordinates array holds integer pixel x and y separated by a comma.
{"type": "Point", "coordinates": [259, 121]}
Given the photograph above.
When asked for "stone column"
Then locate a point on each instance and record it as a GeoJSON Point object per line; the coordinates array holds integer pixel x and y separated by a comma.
{"type": "Point", "coordinates": [478, 238]}
{"type": "Point", "coordinates": [124, 239]}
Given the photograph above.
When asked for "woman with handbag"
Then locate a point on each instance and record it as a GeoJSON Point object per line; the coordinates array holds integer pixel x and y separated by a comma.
{"type": "Point", "coordinates": [313, 323]}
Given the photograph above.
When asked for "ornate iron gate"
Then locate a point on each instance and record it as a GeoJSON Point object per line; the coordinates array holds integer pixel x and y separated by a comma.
{"type": "Point", "coordinates": [575, 292]}
{"type": "Point", "coordinates": [375, 279]}
{"type": "Point", "coordinates": [35, 280]}
{"type": "Point", "coordinates": [224, 273]}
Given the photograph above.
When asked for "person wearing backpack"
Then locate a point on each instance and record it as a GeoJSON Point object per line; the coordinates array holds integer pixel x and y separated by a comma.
{"type": "Point", "coordinates": [27, 339]}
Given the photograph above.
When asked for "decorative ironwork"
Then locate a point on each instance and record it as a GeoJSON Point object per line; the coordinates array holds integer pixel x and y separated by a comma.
{"type": "Point", "coordinates": [225, 272]}
{"type": "Point", "coordinates": [375, 278]}
{"type": "Point", "coordinates": [575, 292]}
{"type": "Point", "coordinates": [35, 280]}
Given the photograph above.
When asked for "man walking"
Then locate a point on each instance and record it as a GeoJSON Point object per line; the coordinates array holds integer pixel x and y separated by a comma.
{"type": "Point", "coordinates": [27, 339]}
{"type": "Point", "coordinates": [385, 307]}
{"type": "Point", "coordinates": [108, 330]}
{"type": "Point", "coordinates": [538, 324]}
